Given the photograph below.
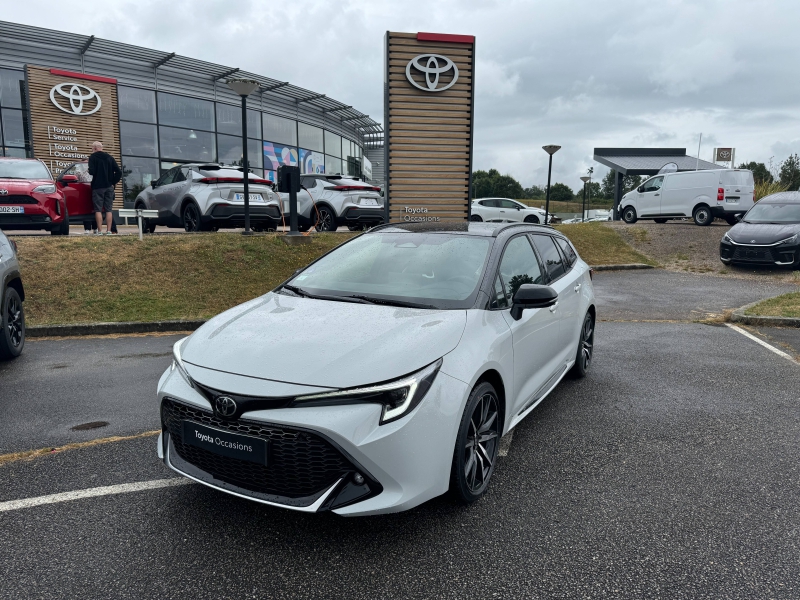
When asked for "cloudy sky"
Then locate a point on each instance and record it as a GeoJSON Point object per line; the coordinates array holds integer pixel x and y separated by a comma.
{"type": "Point", "coordinates": [576, 73]}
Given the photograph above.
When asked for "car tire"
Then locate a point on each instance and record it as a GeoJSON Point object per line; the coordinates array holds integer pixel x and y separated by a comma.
{"type": "Point", "coordinates": [12, 319]}
{"type": "Point", "coordinates": [190, 215]}
{"type": "Point", "coordinates": [63, 228]}
{"type": "Point", "coordinates": [702, 215]}
{"type": "Point", "coordinates": [148, 225]}
{"type": "Point", "coordinates": [731, 219]}
{"type": "Point", "coordinates": [660, 220]}
{"type": "Point", "coordinates": [583, 356]}
{"type": "Point", "coordinates": [477, 443]}
{"type": "Point", "coordinates": [476, 218]}
{"type": "Point", "coordinates": [326, 220]}
{"type": "Point", "coordinates": [532, 219]}
{"type": "Point", "coordinates": [629, 215]}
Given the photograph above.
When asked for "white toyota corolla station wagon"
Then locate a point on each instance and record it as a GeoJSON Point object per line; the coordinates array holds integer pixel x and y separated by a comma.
{"type": "Point", "coordinates": [384, 373]}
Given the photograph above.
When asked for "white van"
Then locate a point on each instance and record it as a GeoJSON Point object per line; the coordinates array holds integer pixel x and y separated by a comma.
{"type": "Point", "coordinates": [702, 195]}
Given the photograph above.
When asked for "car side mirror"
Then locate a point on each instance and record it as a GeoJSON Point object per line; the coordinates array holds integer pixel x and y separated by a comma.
{"type": "Point", "coordinates": [640, 189]}
{"type": "Point", "coordinates": [67, 179]}
{"type": "Point", "coordinates": [154, 184]}
{"type": "Point", "coordinates": [530, 295]}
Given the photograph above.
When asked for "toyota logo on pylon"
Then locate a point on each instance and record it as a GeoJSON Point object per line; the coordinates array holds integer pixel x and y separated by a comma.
{"type": "Point", "coordinates": [78, 98]}
{"type": "Point", "coordinates": [431, 65]}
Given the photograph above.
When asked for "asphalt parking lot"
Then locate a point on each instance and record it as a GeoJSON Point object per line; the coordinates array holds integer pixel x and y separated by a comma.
{"type": "Point", "coordinates": [671, 471]}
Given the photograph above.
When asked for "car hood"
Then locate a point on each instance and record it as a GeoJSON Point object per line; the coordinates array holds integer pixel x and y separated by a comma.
{"type": "Point", "coordinates": [752, 233]}
{"type": "Point", "coordinates": [323, 343]}
{"type": "Point", "coordinates": [22, 186]}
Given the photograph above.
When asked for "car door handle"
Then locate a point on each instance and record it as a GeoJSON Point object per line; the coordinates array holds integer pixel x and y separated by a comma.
{"type": "Point", "coordinates": [656, 194]}
{"type": "Point", "coordinates": [577, 288]}
{"type": "Point", "coordinates": [554, 307]}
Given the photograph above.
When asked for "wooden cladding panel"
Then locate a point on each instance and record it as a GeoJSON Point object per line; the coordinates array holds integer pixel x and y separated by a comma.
{"type": "Point", "coordinates": [102, 125]}
{"type": "Point", "coordinates": [429, 134]}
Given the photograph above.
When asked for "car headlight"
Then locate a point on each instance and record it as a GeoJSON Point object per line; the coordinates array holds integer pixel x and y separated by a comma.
{"type": "Point", "coordinates": [48, 188]}
{"type": "Point", "coordinates": [727, 238]}
{"type": "Point", "coordinates": [177, 362]}
{"type": "Point", "coordinates": [398, 397]}
{"type": "Point", "coordinates": [790, 240]}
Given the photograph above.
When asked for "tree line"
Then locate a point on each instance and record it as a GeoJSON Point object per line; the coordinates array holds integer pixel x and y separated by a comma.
{"type": "Point", "coordinates": [488, 184]}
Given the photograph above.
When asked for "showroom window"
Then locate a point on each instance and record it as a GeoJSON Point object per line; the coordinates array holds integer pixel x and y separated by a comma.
{"type": "Point", "coordinates": [229, 120]}
{"type": "Point", "coordinates": [333, 144]}
{"type": "Point", "coordinates": [180, 111]}
{"type": "Point", "coordinates": [229, 150]}
{"type": "Point", "coordinates": [309, 137]}
{"type": "Point", "coordinates": [187, 144]}
{"type": "Point", "coordinates": [333, 165]}
{"type": "Point", "coordinates": [12, 88]}
{"type": "Point", "coordinates": [137, 175]}
{"type": "Point", "coordinates": [13, 117]}
{"type": "Point", "coordinates": [279, 130]}
{"type": "Point", "coordinates": [312, 162]}
{"type": "Point", "coordinates": [136, 105]}
{"type": "Point", "coordinates": [138, 139]}
{"type": "Point", "coordinates": [13, 127]}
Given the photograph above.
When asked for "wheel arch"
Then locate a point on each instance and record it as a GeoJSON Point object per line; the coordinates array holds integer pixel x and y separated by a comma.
{"type": "Point", "coordinates": [493, 377]}
{"type": "Point", "coordinates": [15, 282]}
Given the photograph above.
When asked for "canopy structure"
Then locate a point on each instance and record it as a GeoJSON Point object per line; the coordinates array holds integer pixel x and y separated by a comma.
{"type": "Point", "coordinates": [645, 161]}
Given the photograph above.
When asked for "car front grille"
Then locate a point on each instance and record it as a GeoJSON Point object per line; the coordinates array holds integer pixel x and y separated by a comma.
{"type": "Point", "coordinates": [18, 199]}
{"type": "Point", "coordinates": [753, 254]}
{"type": "Point", "coordinates": [300, 463]}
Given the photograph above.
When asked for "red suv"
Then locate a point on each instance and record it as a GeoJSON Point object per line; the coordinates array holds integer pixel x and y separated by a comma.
{"type": "Point", "coordinates": [29, 198]}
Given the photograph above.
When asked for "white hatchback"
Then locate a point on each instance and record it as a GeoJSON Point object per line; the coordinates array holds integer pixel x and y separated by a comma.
{"type": "Point", "coordinates": [384, 373]}
{"type": "Point", "coordinates": [503, 210]}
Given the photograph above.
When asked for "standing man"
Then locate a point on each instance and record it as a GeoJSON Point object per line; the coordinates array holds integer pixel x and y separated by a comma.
{"type": "Point", "coordinates": [105, 175]}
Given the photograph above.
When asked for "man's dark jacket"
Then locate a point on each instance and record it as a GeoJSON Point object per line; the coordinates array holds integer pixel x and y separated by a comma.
{"type": "Point", "coordinates": [104, 170]}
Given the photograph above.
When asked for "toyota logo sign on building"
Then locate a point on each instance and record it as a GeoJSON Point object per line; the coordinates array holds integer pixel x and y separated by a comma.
{"type": "Point", "coordinates": [431, 66]}
{"type": "Point", "coordinates": [75, 99]}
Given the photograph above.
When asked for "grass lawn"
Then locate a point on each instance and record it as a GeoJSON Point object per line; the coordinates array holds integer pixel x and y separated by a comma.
{"type": "Point", "coordinates": [787, 305]}
{"type": "Point", "coordinates": [570, 207]}
{"type": "Point", "coordinates": [107, 279]}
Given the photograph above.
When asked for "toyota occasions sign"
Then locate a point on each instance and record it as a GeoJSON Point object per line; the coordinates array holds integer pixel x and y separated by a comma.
{"type": "Point", "coordinates": [429, 126]}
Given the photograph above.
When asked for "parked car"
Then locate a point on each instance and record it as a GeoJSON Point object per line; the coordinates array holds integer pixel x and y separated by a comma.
{"type": "Point", "coordinates": [75, 183]}
{"type": "Point", "coordinates": [501, 210]}
{"type": "Point", "coordinates": [702, 195]}
{"type": "Point", "coordinates": [329, 201]}
{"type": "Point", "coordinates": [768, 234]}
{"type": "Point", "coordinates": [461, 330]}
{"type": "Point", "coordinates": [205, 197]}
{"type": "Point", "coordinates": [29, 198]}
{"type": "Point", "coordinates": [12, 296]}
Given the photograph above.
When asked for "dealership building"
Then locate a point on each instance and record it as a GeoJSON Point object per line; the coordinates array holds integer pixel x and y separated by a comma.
{"type": "Point", "coordinates": [59, 92]}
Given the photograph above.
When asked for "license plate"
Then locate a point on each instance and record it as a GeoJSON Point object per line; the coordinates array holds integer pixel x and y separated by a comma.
{"type": "Point", "coordinates": [233, 445]}
{"type": "Point", "coordinates": [12, 209]}
{"type": "Point", "coordinates": [369, 202]}
{"type": "Point", "coordinates": [253, 197]}
{"type": "Point", "coordinates": [732, 200]}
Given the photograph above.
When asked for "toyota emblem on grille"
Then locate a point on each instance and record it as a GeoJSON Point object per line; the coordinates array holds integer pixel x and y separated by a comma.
{"type": "Point", "coordinates": [431, 65]}
{"type": "Point", "coordinates": [752, 241]}
{"type": "Point", "coordinates": [3, 192]}
{"type": "Point", "coordinates": [225, 405]}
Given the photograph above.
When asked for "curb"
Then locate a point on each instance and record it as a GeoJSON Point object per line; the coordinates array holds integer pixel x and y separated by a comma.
{"type": "Point", "coordinates": [630, 267]}
{"type": "Point", "coordinates": [111, 328]}
{"type": "Point", "coordinates": [738, 316]}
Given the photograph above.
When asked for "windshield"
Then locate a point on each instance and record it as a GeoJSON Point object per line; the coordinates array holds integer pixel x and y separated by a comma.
{"type": "Point", "coordinates": [773, 212]}
{"type": "Point", "coordinates": [23, 169]}
{"type": "Point", "coordinates": [431, 269]}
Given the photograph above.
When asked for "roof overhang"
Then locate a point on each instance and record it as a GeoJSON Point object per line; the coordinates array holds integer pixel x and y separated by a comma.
{"type": "Point", "coordinates": [648, 161]}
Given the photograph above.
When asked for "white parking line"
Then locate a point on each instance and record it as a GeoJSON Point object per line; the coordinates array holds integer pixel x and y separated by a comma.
{"type": "Point", "coordinates": [747, 334]}
{"type": "Point", "coordinates": [107, 490]}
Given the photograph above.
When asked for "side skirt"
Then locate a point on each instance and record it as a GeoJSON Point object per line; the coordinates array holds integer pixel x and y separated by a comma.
{"type": "Point", "coordinates": [539, 396]}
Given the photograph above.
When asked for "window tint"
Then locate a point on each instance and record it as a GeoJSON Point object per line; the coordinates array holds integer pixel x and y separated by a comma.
{"type": "Point", "coordinates": [508, 204]}
{"type": "Point", "coordinates": [654, 184]}
{"type": "Point", "coordinates": [569, 252]}
{"type": "Point", "coordinates": [308, 182]}
{"type": "Point", "coordinates": [551, 257]}
{"type": "Point", "coordinates": [489, 203]}
{"type": "Point", "coordinates": [519, 266]}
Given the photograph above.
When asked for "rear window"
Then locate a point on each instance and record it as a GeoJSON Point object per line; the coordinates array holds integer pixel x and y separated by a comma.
{"type": "Point", "coordinates": [736, 178]}
{"type": "Point", "coordinates": [23, 169]}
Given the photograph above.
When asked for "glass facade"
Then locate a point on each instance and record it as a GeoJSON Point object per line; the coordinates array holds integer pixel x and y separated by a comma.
{"type": "Point", "coordinates": [13, 118]}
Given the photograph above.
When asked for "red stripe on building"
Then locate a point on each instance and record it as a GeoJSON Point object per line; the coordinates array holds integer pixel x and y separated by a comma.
{"type": "Point", "coordinates": [445, 37]}
{"type": "Point", "coordinates": [82, 76]}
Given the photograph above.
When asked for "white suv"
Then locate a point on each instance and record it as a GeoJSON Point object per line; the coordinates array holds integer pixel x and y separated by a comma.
{"type": "Point", "coordinates": [327, 201]}
{"type": "Point", "coordinates": [504, 210]}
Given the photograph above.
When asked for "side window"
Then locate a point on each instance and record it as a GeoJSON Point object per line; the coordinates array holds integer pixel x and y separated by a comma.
{"type": "Point", "coordinates": [550, 256]}
{"type": "Point", "coordinates": [654, 184]}
{"type": "Point", "coordinates": [499, 299]}
{"type": "Point", "coordinates": [489, 203]}
{"type": "Point", "coordinates": [81, 171]}
{"type": "Point", "coordinates": [169, 176]}
{"type": "Point", "coordinates": [569, 252]}
{"type": "Point", "coordinates": [308, 182]}
{"type": "Point", "coordinates": [180, 175]}
{"type": "Point", "coordinates": [519, 265]}
{"type": "Point", "coordinates": [508, 204]}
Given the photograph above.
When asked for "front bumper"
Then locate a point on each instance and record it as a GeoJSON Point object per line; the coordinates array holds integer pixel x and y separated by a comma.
{"type": "Point", "coordinates": [781, 255]}
{"type": "Point", "coordinates": [41, 212]}
{"type": "Point", "coordinates": [403, 463]}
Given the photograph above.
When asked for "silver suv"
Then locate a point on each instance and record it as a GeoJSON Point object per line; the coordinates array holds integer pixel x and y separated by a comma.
{"type": "Point", "coordinates": [205, 197]}
{"type": "Point", "coordinates": [12, 294]}
{"type": "Point", "coordinates": [339, 200]}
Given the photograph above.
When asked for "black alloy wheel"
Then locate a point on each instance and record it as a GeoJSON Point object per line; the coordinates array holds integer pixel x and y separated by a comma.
{"type": "Point", "coordinates": [326, 220]}
{"type": "Point", "coordinates": [702, 216]}
{"type": "Point", "coordinates": [629, 215]}
{"type": "Point", "coordinates": [476, 218]}
{"type": "Point", "coordinates": [583, 359]}
{"type": "Point", "coordinates": [12, 337]}
{"type": "Point", "coordinates": [191, 218]}
{"type": "Point", "coordinates": [532, 219]}
{"type": "Point", "coordinates": [476, 445]}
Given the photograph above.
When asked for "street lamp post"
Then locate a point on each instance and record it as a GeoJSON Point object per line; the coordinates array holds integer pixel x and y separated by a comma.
{"type": "Point", "coordinates": [584, 179]}
{"type": "Point", "coordinates": [245, 87]}
{"type": "Point", "coordinates": [551, 149]}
